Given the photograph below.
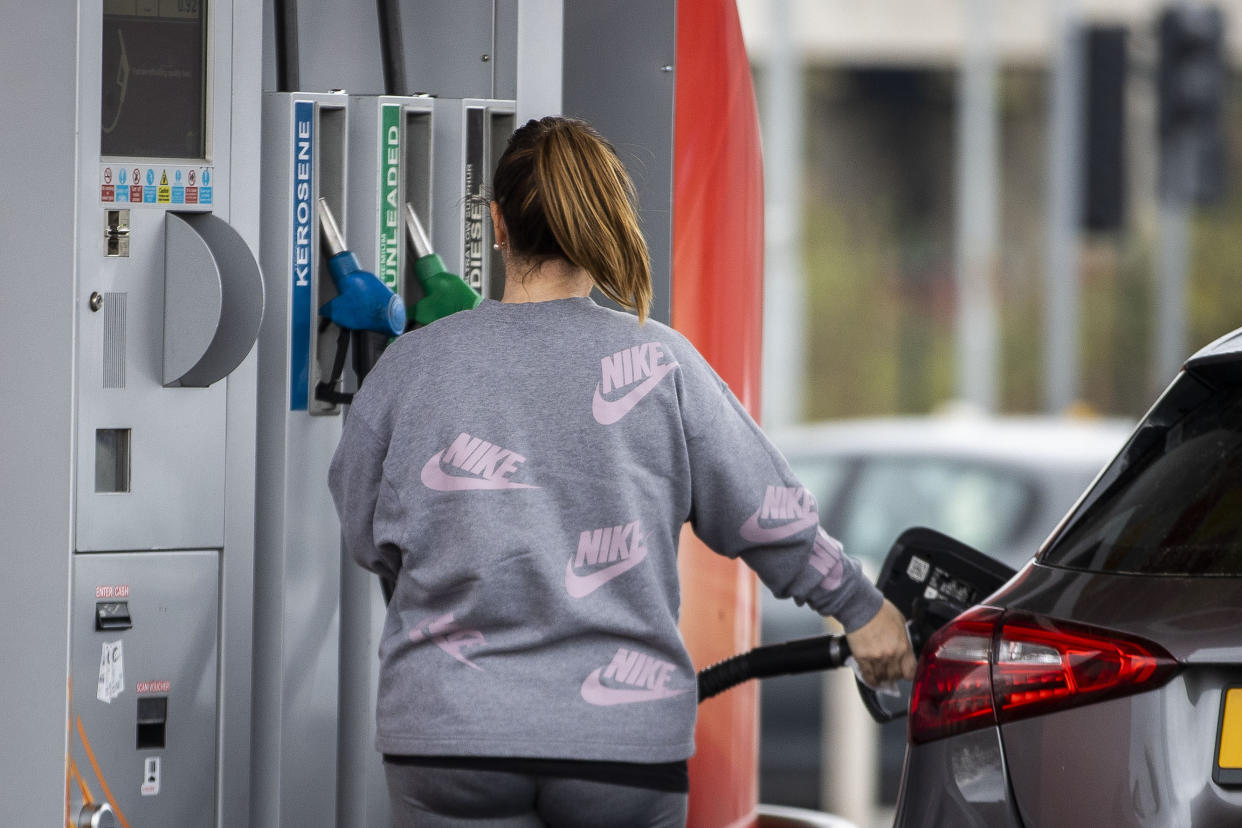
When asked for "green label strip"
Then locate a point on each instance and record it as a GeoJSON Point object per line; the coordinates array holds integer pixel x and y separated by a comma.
{"type": "Point", "coordinates": [388, 260]}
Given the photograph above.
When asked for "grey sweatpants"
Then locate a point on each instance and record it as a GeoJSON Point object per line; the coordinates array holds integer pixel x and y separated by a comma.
{"type": "Point", "coordinates": [429, 797]}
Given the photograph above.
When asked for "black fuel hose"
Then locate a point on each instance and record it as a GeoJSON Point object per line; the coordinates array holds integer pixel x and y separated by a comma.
{"type": "Point", "coordinates": [802, 655]}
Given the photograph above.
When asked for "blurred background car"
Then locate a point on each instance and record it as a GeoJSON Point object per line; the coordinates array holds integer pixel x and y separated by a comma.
{"type": "Point", "coordinates": [1103, 685]}
{"type": "Point", "coordinates": [1000, 484]}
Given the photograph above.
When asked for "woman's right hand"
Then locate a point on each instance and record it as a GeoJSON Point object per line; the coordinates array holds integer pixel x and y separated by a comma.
{"type": "Point", "coordinates": [882, 648]}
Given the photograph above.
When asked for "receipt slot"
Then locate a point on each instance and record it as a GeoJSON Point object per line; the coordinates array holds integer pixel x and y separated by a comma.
{"type": "Point", "coordinates": [470, 136]}
{"type": "Point", "coordinates": [128, 476]}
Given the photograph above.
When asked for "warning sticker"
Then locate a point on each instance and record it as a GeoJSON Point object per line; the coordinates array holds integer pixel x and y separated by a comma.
{"type": "Point", "coordinates": [161, 186]}
{"type": "Point", "coordinates": [111, 672]}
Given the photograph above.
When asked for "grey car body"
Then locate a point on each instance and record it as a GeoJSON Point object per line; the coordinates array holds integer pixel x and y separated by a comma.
{"type": "Point", "coordinates": [998, 483]}
{"type": "Point", "coordinates": [1151, 554]}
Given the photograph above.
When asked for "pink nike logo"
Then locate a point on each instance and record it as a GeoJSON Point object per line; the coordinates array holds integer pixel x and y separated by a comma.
{"type": "Point", "coordinates": [623, 544]}
{"type": "Point", "coordinates": [449, 637]}
{"type": "Point", "coordinates": [794, 504]}
{"type": "Point", "coordinates": [647, 676]}
{"type": "Point", "coordinates": [624, 368]}
{"type": "Point", "coordinates": [827, 558]}
{"type": "Point", "coordinates": [487, 466]}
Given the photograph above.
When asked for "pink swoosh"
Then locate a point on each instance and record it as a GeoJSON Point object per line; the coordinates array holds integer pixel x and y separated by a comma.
{"type": "Point", "coordinates": [608, 412]}
{"type": "Point", "coordinates": [595, 693]}
{"type": "Point", "coordinates": [434, 477]}
{"type": "Point", "coordinates": [752, 531]}
{"type": "Point", "coordinates": [455, 641]}
{"type": "Point", "coordinates": [579, 586]}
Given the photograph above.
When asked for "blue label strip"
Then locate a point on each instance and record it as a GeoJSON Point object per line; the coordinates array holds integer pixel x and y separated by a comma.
{"type": "Point", "coordinates": [303, 214]}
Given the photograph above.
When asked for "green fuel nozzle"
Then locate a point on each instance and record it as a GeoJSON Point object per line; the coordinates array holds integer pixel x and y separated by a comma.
{"type": "Point", "coordinates": [444, 293]}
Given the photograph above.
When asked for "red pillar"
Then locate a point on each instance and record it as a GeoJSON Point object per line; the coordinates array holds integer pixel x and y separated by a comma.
{"type": "Point", "coordinates": [718, 303]}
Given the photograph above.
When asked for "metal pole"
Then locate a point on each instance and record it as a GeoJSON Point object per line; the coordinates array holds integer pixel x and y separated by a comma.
{"type": "Point", "coordinates": [1180, 171]}
{"type": "Point", "coordinates": [784, 293]}
{"type": "Point", "coordinates": [1174, 264]}
{"type": "Point", "coordinates": [976, 210]}
{"type": "Point", "coordinates": [1061, 336]}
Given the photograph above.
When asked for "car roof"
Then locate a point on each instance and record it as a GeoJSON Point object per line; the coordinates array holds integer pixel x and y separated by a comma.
{"type": "Point", "coordinates": [1026, 440]}
{"type": "Point", "coordinates": [1229, 345]}
{"type": "Point", "coordinates": [1223, 355]}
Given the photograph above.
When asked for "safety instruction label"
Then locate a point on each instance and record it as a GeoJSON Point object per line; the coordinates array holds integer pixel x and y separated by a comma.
{"type": "Point", "coordinates": [388, 257]}
{"type": "Point", "coordinates": [155, 184]}
{"type": "Point", "coordinates": [111, 671]}
{"type": "Point", "coordinates": [300, 270]}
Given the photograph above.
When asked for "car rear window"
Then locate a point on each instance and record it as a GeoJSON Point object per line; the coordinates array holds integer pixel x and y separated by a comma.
{"type": "Point", "coordinates": [1171, 501]}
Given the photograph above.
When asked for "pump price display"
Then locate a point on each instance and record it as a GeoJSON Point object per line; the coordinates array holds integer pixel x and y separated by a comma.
{"type": "Point", "coordinates": [154, 73]}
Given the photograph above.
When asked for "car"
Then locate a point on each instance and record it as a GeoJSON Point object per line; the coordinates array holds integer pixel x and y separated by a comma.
{"type": "Point", "coordinates": [1102, 685]}
{"type": "Point", "coordinates": [1000, 483]}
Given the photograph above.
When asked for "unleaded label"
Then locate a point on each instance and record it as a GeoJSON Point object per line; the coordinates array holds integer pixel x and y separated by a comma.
{"type": "Point", "coordinates": [388, 254]}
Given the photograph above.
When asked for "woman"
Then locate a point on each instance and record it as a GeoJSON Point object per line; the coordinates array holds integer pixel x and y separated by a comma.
{"type": "Point", "coordinates": [522, 472]}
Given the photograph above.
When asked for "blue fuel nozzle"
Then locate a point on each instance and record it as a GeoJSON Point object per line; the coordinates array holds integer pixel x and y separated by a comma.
{"type": "Point", "coordinates": [363, 302]}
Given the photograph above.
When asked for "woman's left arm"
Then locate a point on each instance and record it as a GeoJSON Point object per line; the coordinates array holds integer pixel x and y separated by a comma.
{"type": "Point", "coordinates": [355, 479]}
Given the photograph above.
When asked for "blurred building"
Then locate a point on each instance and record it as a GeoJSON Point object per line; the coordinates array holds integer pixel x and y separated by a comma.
{"type": "Point", "coordinates": [876, 212]}
{"type": "Point", "coordinates": [930, 32]}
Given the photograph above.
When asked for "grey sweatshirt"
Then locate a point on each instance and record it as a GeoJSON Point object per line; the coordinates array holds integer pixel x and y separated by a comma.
{"type": "Point", "coordinates": [522, 471]}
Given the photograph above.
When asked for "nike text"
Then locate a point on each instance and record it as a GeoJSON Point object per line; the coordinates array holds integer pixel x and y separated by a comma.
{"type": "Point", "coordinates": [631, 365]}
{"type": "Point", "coordinates": [610, 544]}
{"type": "Point", "coordinates": [639, 670]}
{"type": "Point", "coordinates": [486, 466]}
{"type": "Point", "coordinates": [640, 367]}
{"type": "Point", "coordinates": [786, 503]}
{"type": "Point", "coordinates": [470, 454]}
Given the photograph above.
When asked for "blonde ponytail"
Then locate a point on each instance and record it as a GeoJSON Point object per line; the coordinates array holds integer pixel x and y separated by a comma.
{"type": "Point", "coordinates": [564, 192]}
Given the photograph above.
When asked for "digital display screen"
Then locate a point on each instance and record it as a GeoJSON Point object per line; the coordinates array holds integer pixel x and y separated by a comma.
{"type": "Point", "coordinates": [154, 78]}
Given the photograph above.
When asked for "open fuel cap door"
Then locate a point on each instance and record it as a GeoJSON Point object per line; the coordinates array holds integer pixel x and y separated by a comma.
{"type": "Point", "coordinates": [932, 579]}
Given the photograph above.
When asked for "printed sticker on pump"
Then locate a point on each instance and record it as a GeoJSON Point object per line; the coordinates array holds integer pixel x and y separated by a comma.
{"type": "Point", "coordinates": [160, 186]}
{"type": "Point", "coordinates": [111, 671]}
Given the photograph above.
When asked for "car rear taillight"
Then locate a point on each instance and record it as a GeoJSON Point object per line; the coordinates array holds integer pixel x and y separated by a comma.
{"type": "Point", "coordinates": [988, 666]}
